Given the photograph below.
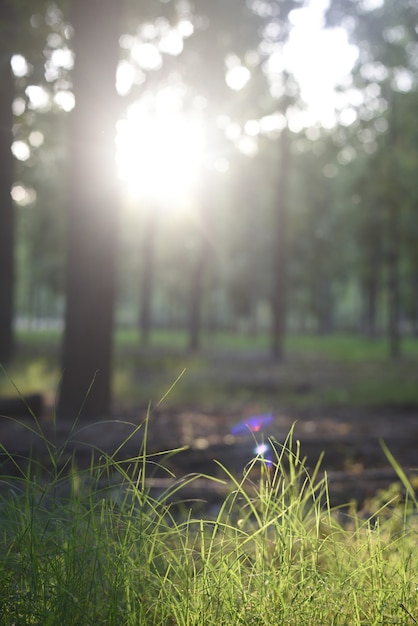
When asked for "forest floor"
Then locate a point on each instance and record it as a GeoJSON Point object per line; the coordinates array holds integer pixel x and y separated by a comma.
{"type": "Point", "coordinates": [297, 396]}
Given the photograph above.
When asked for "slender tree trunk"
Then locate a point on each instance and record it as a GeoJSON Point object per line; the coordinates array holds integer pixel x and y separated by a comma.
{"type": "Point", "coordinates": [373, 263]}
{"type": "Point", "coordinates": [414, 289]}
{"type": "Point", "coordinates": [370, 307]}
{"type": "Point", "coordinates": [252, 246]}
{"type": "Point", "coordinates": [393, 284]}
{"type": "Point", "coordinates": [7, 221]}
{"type": "Point", "coordinates": [196, 294]}
{"type": "Point", "coordinates": [201, 262]}
{"type": "Point", "coordinates": [393, 252]}
{"type": "Point", "coordinates": [326, 304]}
{"type": "Point", "coordinates": [147, 282]}
{"type": "Point", "coordinates": [370, 291]}
{"type": "Point", "coordinates": [280, 256]}
{"type": "Point", "coordinates": [93, 213]}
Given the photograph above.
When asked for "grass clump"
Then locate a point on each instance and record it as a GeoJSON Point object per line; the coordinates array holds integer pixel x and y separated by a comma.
{"type": "Point", "coordinates": [99, 547]}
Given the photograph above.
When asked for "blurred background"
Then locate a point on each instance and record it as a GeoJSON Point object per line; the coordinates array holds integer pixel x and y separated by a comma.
{"type": "Point", "coordinates": [220, 191]}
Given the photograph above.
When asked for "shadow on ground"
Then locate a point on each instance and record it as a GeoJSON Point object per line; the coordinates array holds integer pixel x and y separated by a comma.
{"type": "Point", "coordinates": [297, 395]}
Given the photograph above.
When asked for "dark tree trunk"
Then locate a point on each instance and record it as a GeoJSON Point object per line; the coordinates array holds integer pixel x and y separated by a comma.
{"type": "Point", "coordinates": [393, 248]}
{"type": "Point", "coordinates": [280, 256]}
{"type": "Point", "coordinates": [393, 285]}
{"type": "Point", "coordinates": [370, 307]}
{"type": "Point", "coordinates": [326, 317]}
{"type": "Point", "coordinates": [93, 213]}
{"type": "Point", "coordinates": [251, 190]}
{"type": "Point", "coordinates": [147, 282]}
{"type": "Point", "coordinates": [196, 294]}
{"type": "Point", "coordinates": [370, 295]}
{"type": "Point", "coordinates": [415, 304]}
{"type": "Point", "coordinates": [198, 271]}
{"type": "Point", "coordinates": [373, 263]}
{"type": "Point", "coordinates": [7, 222]}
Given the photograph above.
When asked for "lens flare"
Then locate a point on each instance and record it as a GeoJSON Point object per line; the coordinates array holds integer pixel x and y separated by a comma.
{"type": "Point", "coordinates": [252, 424]}
{"type": "Point", "coordinates": [261, 449]}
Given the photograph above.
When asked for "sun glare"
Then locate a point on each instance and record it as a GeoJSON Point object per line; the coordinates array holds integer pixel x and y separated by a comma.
{"type": "Point", "coordinates": [159, 154]}
{"type": "Point", "coordinates": [161, 149]}
{"type": "Point", "coordinates": [319, 59]}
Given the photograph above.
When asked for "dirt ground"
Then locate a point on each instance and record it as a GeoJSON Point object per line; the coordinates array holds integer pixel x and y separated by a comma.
{"type": "Point", "coordinates": [349, 438]}
{"type": "Point", "coordinates": [223, 389]}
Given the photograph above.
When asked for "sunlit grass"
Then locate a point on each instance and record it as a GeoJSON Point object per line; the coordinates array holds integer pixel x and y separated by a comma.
{"type": "Point", "coordinates": [30, 375]}
{"type": "Point", "coordinates": [350, 347]}
{"type": "Point", "coordinates": [234, 369]}
{"type": "Point", "coordinates": [344, 347]}
{"type": "Point", "coordinates": [96, 546]}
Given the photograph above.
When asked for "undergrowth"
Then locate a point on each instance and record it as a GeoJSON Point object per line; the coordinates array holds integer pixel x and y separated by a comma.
{"type": "Point", "coordinates": [97, 546]}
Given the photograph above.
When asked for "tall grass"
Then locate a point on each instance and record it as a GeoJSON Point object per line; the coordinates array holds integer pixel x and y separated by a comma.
{"type": "Point", "coordinates": [99, 547]}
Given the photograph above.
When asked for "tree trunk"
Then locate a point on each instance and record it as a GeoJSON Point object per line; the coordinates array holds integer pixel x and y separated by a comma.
{"type": "Point", "coordinates": [369, 307]}
{"type": "Point", "coordinates": [201, 261]}
{"type": "Point", "coordinates": [7, 221]}
{"type": "Point", "coordinates": [326, 304]}
{"type": "Point", "coordinates": [251, 191]}
{"type": "Point", "coordinates": [370, 295]}
{"type": "Point", "coordinates": [394, 217]}
{"type": "Point", "coordinates": [196, 294]}
{"type": "Point", "coordinates": [93, 213]}
{"type": "Point", "coordinates": [372, 267]}
{"type": "Point", "coordinates": [280, 256]}
{"type": "Point", "coordinates": [414, 289]}
{"type": "Point", "coordinates": [147, 283]}
{"type": "Point", "coordinates": [393, 284]}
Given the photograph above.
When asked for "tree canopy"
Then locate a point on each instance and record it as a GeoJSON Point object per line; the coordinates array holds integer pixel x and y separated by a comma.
{"type": "Point", "coordinates": [260, 222]}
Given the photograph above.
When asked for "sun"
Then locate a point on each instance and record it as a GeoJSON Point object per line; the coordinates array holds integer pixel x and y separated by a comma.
{"type": "Point", "coordinates": [159, 153]}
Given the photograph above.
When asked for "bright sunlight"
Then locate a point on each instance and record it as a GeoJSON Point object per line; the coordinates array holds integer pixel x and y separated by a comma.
{"type": "Point", "coordinates": [159, 153]}
{"type": "Point", "coordinates": [320, 59]}
{"type": "Point", "coordinates": [161, 148]}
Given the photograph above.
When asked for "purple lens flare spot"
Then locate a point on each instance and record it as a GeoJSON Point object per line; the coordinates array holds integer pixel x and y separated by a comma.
{"type": "Point", "coordinates": [252, 424]}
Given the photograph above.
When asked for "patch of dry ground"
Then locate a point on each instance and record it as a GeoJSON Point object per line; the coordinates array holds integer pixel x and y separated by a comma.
{"type": "Point", "coordinates": [321, 398]}
{"type": "Point", "coordinates": [350, 439]}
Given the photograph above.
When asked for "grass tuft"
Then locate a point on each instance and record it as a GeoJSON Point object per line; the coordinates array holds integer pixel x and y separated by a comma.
{"type": "Point", "coordinates": [97, 546]}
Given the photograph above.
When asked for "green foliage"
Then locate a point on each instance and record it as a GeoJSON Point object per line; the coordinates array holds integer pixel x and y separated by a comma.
{"type": "Point", "coordinates": [339, 230]}
{"type": "Point", "coordinates": [97, 546]}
